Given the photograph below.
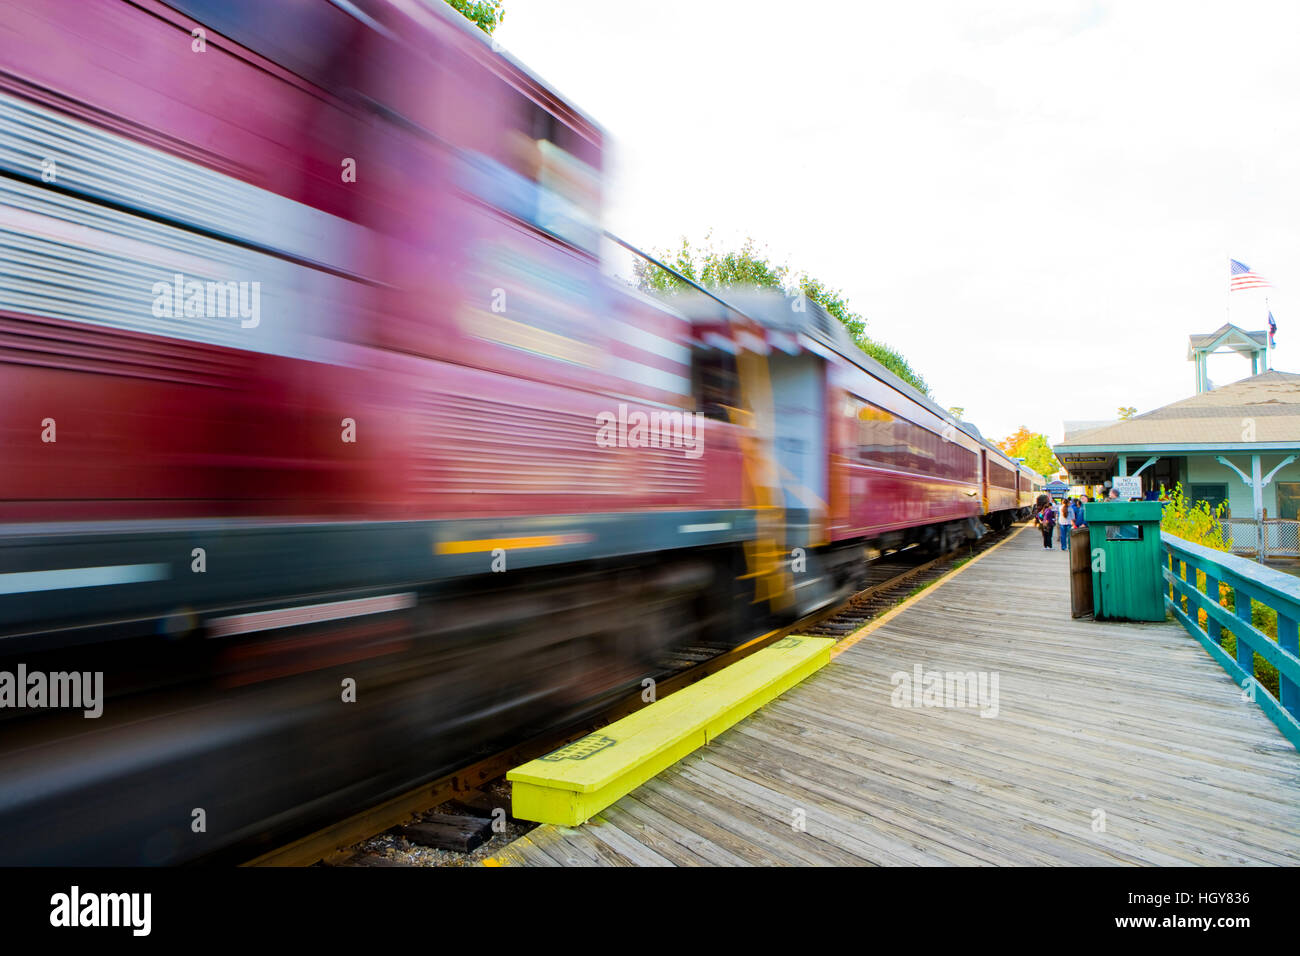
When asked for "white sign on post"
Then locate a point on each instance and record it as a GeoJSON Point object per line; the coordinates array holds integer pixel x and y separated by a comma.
{"type": "Point", "coordinates": [1127, 486]}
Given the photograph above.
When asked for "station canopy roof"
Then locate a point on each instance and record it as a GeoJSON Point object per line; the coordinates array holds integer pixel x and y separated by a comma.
{"type": "Point", "coordinates": [1256, 413]}
{"type": "Point", "coordinates": [1073, 428]}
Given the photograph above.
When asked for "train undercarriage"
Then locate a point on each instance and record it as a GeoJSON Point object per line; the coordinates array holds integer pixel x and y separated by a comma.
{"type": "Point", "coordinates": [216, 748]}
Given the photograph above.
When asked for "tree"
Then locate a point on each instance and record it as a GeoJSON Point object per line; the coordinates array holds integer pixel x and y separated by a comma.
{"type": "Point", "coordinates": [485, 14]}
{"type": "Point", "coordinates": [1019, 437]}
{"type": "Point", "coordinates": [1034, 448]}
{"type": "Point", "coordinates": [957, 412]}
{"type": "Point", "coordinates": [746, 267]}
{"type": "Point", "coordinates": [1126, 412]}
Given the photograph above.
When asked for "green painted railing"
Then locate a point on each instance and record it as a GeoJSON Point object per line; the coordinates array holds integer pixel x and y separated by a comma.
{"type": "Point", "coordinates": [1249, 582]}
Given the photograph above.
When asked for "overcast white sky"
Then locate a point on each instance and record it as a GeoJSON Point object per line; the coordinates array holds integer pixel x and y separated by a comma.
{"type": "Point", "coordinates": [995, 186]}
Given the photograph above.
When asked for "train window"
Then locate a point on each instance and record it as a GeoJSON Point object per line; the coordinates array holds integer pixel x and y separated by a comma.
{"type": "Point", "coordinates": [901, 445]}
{"type": "Point", "coordinates": [716, 384]}
{"type": "Point", "coordinates": [312, 40]}
{"type": "Point", "coordinates": [545, 127]}
{"type": "Point", "coordinates": [1001, 476]}
{"type": "Point", "coordinates": [536, 180]}
{"type": "Point", "coordinates": [886, 440]}
{"type": "Point", "coordinates": [876, 441]}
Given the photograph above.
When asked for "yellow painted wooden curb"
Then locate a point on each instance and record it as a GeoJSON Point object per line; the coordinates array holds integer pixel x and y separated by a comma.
{"type": "Point", "coordinates": [576, 782]}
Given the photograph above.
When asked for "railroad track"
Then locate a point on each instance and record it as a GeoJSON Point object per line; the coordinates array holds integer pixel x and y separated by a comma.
{"type": "Point", "coordinates": [454, 815]}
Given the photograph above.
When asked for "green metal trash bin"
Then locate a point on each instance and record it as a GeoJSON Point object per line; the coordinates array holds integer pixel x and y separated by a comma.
{"type": "Point", "coordinates": [1126, 580]}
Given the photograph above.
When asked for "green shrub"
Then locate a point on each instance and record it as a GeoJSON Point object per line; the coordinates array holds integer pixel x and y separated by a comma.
{"type": "Point", "coordinates": [1196, 521]}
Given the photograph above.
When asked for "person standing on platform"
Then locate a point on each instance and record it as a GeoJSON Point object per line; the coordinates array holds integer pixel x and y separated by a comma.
{"type": "Point", "coordinates": [1064, 521]}
{"type": "Point", "coordinates": [1045, 518]}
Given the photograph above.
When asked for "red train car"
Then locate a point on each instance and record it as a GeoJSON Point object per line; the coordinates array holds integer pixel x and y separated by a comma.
{"type": "Point", "coordinates": [308, 376]}
{"type": "Point", "coordinates": [342, 276]}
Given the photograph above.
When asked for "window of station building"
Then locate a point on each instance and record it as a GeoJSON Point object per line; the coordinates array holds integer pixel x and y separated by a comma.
{"type": "Point", "coordinates": [1215, 494]}
{"type": "Point", "coordinates": [1288, 499]}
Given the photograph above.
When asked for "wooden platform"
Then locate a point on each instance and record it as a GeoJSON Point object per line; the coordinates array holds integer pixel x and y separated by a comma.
{"type": "Point", "coordinates": [1128, 725]}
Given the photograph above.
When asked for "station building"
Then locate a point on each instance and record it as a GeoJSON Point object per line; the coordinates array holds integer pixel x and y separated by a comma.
{"type": "Point", "coordinates": [1239, 443]}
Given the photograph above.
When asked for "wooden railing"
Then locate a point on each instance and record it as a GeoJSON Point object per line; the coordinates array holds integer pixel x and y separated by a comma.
{"type": "Point", "coordinates": [1248, 582]}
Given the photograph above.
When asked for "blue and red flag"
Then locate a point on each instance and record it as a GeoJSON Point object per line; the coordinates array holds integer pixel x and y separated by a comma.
{"type": "Point", "coordinates": [1272, 330]}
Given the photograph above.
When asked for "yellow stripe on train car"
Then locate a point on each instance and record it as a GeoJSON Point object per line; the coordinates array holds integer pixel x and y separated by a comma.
{"type": "Point", "coordinates": [480, 545]}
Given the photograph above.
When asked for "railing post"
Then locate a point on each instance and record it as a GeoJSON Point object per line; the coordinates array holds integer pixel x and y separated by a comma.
{"type": "Point", "coordinates": [1245, 656]}
{"type": "Point", "coordinates": [1289, 693]}
{"type": "Point", "coordinates": [1212, 627]}
{"type": "Point", "coordinates": [1193, 605]}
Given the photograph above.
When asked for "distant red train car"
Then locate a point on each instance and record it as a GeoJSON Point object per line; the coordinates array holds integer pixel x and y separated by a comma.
{"type": "Point", "coordinates": [858, 457]}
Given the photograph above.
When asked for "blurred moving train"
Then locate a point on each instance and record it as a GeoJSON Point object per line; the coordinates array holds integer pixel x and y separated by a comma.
{"type": "Point", "coordinates": [327, 443]}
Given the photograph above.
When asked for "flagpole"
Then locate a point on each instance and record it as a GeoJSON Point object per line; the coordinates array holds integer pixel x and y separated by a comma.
{"type": "Point", "coordinates": [1227, 299]}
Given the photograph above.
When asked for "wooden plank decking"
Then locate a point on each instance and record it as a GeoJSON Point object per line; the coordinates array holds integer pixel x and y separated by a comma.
{"type": "Point", "coordinates": [1131, 721]}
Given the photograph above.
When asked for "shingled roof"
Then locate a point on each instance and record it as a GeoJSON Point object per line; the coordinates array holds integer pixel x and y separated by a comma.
{"type": "Point", "coordinates": [1271, 399]}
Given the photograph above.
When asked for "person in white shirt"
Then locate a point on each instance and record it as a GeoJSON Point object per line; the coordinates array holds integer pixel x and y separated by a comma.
{"type": "Point", "coordinates": [1064, 519]}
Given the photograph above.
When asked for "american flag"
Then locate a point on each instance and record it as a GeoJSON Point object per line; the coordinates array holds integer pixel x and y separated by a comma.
{"type": "Point", "coordinates": [1243, 278]}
